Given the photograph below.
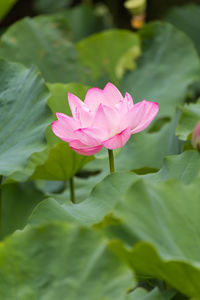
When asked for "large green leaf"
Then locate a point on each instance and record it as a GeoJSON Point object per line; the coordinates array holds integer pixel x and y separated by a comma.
{"type": "Point", "coordinates": [90, 21]}
{"type": "Point", "coordinates": [185, 167]}
{"type": "Point", "coordinates": [186, 18]}
{"type": "Point", "coordinates": [5, 6]}
{"type": "Point", "coordinates": [116, 51]}
{"type": "Point", "coordinates": [61, 261]}
{"type": "Point", "coordinates": [147, 150]}
{"type": "Point", "coordinates": [163, 46]}
{"type": "Point", "coordinates": [51, 6]}
{"type": "Point", "coordinates": [83, 186]}
{"type": "Point", "coordinates": [165, 217]}
{"type": "Point", "coordinates": [43, 41]}
{"type": "Point", "coordinates": [99, 203]}
{"type": "Point", "coordinates": [62, 163]}
{"type": "Point", "coordinates": [166, 220]}
{"type": "Point", "coordinates": [17, 201]}
{"type": "Point", "coordinates": [189, 118]}
{"type": "Point", "coordinates": [24, 115]}
{"type": "Point", "coordinates": [36, 159]}
{"type": "Point", "coordinates": [142, 294]}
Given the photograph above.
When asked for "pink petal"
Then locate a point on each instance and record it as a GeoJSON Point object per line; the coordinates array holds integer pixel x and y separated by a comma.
{"type": "Point", "coordinates": [75, 104]}
{"type": "Point", "coordinates": [94, 97]}
{"type": "Point", "coordinates": [68, 120]}
{"type": "Point", "coordinates": [118, 140]}
{"type": "Point", "coordinates": [107, 119]}
{"type": "Point", "coordinates": [124, 105]}
{"type": "Point", "coordinates": [80, 110]}
{"type": "Point", "coordinates": [87, 136]}
{"type": "Point", "coordinates": [83, 149]}
{"type": "Point", "coordinates": [111, 94]}
{"type": "Point", "coordinates": [128, 100]}
{"type": "Point", "coordinates": [94, 132]}
{"type": "Point", "coordinates": [140, 116]}
{"type": "Point", "coordinates": [196, 137]}
{"type": "Point", "coordinates": [64, 127]}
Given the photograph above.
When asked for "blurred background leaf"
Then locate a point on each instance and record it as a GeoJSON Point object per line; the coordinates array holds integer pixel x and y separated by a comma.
{"type": "Point", "coordinates": [169, 248]}
{"type": "Point", "coordinates": [154, 79]}
{"type": "Point", "coordinates": [100, 202]}
{"type": "Point", "coordinates": [142, 294]}
{"type": "Point", "coordinates": [45, 42]}
{"type": "Point", "coordinates": [91, 20]}
{"type": "Point", "coordinates": [51, 6]}
{"type": "Point", "coordinates": [18, 201]}
{"type": "Point", "coordinates": [186, 18]}
{"type": "Point", "coordinates": [62, 163]}
{"type": "Point", "coordinates": [190, 115]}
{"type": "Point", "coordinates": [116, 51]}
{"type": "Point", "coordinates": [5, 6]}
{"type": "Point", "coordinates": [24, 115]}
{"type": "Point", "coordinates": [66, 262]}
{"type": "Point", "coordinates": [137, 154]}
{"type": "Point", "coordinates": [169, 225]}
{"type": "Point", "coordinates": [184, 167]}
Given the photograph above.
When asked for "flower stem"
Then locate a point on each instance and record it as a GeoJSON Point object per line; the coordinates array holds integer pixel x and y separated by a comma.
{"type": "Point", "coordinates": [1, 177]}
{"type": "Point", "coordinates": [111, 161]}
{"type": "Point", "coordinates": [72, 193]}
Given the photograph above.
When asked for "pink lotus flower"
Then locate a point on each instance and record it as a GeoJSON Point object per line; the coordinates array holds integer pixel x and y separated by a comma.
{"type": "Point", "coordinates": [196, 137]}
{"type": "Point", "coordinates": [104, 119]}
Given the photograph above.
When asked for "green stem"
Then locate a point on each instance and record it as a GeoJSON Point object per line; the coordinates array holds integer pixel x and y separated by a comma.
{"type": "Point", "coordinates": [72, 193]}
{"type": "Point", "coordinates": [111, 161]}
{"type": "Point", "coordinates": [1, 178]}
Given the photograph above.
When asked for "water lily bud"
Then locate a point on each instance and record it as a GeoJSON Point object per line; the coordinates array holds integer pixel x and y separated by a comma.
{"type": "Point", "coordinates": [104, 119]}
{"type": "Point", "coordinates": [196, 137]}
{"type": "Point", "coordinates": [136, 7]}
